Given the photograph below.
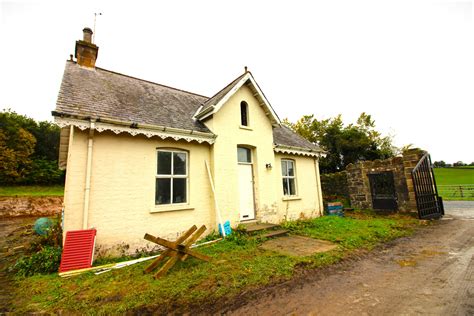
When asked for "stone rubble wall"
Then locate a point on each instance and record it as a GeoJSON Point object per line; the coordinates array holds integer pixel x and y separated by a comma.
{"type": "Point", "coordinates": [359, 185]}
{"type": "Point", "coordinates": [15, 206]}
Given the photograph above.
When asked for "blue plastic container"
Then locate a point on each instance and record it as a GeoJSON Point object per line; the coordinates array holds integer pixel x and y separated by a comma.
{"type": "Point", "coordinates": [335, 209]}
{"type": "Point", "coordinates": [227, 228]}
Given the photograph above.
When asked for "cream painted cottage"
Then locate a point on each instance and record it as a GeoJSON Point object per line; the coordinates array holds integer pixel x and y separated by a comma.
{"type": "Point", "coordinates": [136, 154]}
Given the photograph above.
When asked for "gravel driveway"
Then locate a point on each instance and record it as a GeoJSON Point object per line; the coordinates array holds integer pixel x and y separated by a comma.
{"type": "Point", "coordinates": [429, 273]}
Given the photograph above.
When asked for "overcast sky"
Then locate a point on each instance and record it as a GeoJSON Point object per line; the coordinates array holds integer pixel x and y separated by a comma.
{"type": "Point", "coordinates": [410, 64]}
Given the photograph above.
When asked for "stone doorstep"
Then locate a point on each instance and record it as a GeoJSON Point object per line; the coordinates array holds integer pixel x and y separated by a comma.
{"type": "Point", "coordinates": [275, 233]}
{"type": "Point", "coordinates": [255, 227]}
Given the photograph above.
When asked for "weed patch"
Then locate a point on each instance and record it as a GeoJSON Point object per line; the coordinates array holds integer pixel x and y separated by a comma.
{"type": "Point", "coordinates": [43, 253]}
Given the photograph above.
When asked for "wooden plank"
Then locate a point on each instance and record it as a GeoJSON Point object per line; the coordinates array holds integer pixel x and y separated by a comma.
{"type": "Point", "coordinates": [162, 242]}
{"type": "Point", "coordinates": [157, 261]}
{"type": "Point", "coordinates": [193, 238]}
{"type": "Point", "coordinates": [167, 252]}
{"type": "Point", "coordinates": [168, 265]}
{"type": "Point", "coordinates": [184, 252]}
{"type": "Point", "coordinates": [176, 250]}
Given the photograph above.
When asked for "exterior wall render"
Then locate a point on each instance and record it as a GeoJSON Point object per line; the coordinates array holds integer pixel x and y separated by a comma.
{"type": "Point", "coordinates": [307, 203]}
{"type": "Point", "coordinates": [122, 196]}
{"type": "Point", "coordinates": [259, 137]}
{"type": "Point", "coordinates": [270, 204]}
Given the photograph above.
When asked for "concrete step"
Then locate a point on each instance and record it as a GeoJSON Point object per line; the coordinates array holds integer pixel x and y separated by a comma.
{"type": "Point", "coordinates": [255, 227]}
{"type": "Point", "coordinates": [275, 233]}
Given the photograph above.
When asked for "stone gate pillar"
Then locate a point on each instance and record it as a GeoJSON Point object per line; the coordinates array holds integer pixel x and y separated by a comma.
{"type": "Point", "coordinates": [410, 158]}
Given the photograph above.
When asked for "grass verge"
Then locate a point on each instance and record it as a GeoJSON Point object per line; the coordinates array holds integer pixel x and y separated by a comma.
{"type": "Point", "coordinates": [32, 190]}
{"type": "Point", "coordinates": [239, 265]}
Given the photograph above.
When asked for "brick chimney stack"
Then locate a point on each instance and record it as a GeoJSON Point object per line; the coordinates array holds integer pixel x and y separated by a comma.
{"type": "Point", "coordinates": [86, 51]}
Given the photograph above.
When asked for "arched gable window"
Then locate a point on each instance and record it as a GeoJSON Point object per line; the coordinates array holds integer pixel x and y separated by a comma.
{"type": "Point", "coordinates": [244, 113]}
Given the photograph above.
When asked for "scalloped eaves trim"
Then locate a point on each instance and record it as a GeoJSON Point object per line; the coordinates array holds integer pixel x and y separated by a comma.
{"type": "Point", "coordinates": [117, 129]}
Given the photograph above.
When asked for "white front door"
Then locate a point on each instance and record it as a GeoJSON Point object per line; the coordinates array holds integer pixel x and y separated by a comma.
{"type": "Point", "coordinates": [247, 210]}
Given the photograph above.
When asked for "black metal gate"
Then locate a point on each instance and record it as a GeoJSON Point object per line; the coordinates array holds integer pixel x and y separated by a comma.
{"type": "Point", "coordinates": [428, 203]}
{"type": "Point", "coordinates": [382, 187]}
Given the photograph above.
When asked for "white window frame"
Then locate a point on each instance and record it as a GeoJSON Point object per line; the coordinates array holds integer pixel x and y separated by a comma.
{"type": "Point", "coordinates": [172, 176]}
{"type": "Point", "coordinates": [290, 177]}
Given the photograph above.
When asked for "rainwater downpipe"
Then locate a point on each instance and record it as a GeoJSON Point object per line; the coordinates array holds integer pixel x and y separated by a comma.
{"type": "Point", "coordinates": [87, 188]}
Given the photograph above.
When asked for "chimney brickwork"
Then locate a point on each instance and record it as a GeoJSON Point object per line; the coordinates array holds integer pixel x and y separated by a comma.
{"type": "Point", "coordinates": [86, 51]}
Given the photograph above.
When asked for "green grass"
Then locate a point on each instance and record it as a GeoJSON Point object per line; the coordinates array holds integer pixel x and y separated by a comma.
{"type": "Point", "coordinates": [239, 265]}
{"type": "Point", "coordinates": [457, 179]}
{"type": "Point", "coordinates": [32, 190]}
{"type": "Point", "coordinates": [454, 176]}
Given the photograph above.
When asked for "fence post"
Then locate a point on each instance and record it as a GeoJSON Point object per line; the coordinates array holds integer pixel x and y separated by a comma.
{"type": "Point", "coordinates": [460, 189]}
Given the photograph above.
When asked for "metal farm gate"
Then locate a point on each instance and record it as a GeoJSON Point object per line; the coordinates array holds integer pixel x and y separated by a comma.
{"type": "Point", "coordinates": [429, 204]}
{"type": "Point", "coordinates": [382, 187]}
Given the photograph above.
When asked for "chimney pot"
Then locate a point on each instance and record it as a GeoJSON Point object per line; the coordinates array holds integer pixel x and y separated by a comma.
{"type": "Point", "coordinates": [87, 35]}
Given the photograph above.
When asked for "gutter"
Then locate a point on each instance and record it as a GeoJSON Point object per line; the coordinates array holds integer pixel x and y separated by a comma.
{"type": "Point", "coordinates": [87, 187]}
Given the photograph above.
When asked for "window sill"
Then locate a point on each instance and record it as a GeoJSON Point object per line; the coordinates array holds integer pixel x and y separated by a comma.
{"type": "Point", "coordinates": [171, 208]}
{"type": "Point", "coordinates": [291, 198]}
{"type": "Point", "coordinates": [245, 127]}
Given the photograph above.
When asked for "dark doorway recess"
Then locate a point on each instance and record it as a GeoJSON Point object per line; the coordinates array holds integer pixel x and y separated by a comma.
{"type": "Point", "coordinates": [382, 187]}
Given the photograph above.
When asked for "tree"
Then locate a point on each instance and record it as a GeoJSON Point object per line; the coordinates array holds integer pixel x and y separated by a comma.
{"type": "Point", "coordinates": [46, 133]}
{"type": "Point", "coordinates": [439, 164]}
{"type": "Point", "coordinates": [344, 144]}
{"type": "Point", "coordinates": [459, 164]}
{"type": "Point", "coordinates": [16, 147]}
{"type": "Point", "coordinates": [29, 150]}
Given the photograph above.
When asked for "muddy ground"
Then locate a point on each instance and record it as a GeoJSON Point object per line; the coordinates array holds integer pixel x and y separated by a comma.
{"type": "Point", "coordinates": [430, 273]}
{"type": "Point", "coordinates": [15, 236]}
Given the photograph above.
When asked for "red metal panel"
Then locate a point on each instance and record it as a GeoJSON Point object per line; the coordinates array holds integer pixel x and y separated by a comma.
{"type": "Point", "coordinates": [78, 250]}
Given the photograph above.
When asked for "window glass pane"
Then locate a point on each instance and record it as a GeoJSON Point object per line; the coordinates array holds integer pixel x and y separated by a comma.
{"type": "Point", "coordinates": [164, 162]}
{"type": "Point", "coordinates": [285, 186]}
{"type": "Point", "coordinates": [179, 163]}
{"type": "Point", "coordinates": [243, 155]}
{"type": "Point", "coordinates": [179, 190]}
{"type": "Point", "coordinates": [291, 168]}
{"type": "Point", "coordinates": [292, 186]}
{"type": "Point", "coordinates": [284, 170]}
{"type": "Point", "coordinates": [243, 113]}
{"type": "Point", "coordinates": [163, 191]}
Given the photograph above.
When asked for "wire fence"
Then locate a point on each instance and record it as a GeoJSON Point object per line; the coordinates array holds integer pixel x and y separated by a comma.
{"type": "Point", "coordinates": [456, 192]}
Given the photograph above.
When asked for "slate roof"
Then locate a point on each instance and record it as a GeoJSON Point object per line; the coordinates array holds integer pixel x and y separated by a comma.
{"type": "Point", "coordinates": [286, 137]}
{"type": "Point", "coordinates": [104, 94]}
{"type": "Point", "coordinates": [219, 95]}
